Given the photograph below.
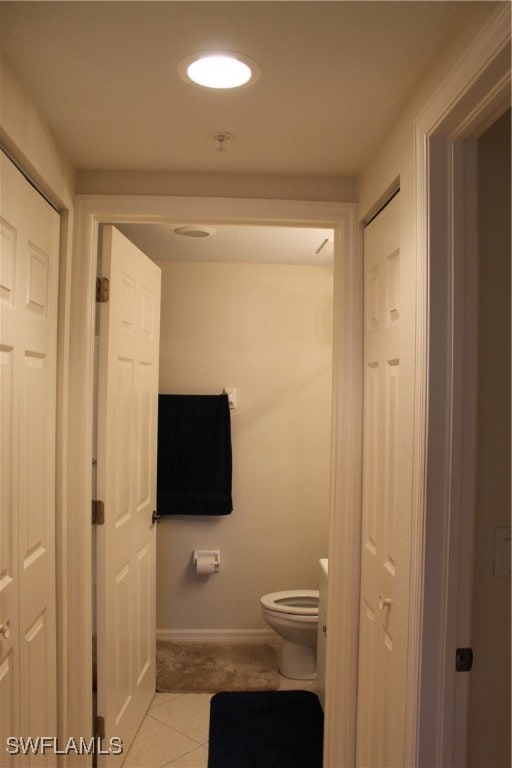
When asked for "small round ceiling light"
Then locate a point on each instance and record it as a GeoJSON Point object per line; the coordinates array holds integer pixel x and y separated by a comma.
{"type": "Point", "coordinates": [219, 69]}
{"type": "Point", "coordinates": [194, 231]}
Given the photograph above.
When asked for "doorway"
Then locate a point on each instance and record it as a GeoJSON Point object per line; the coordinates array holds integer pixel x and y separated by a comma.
{"type": "Point", "coordinates": [473, 97]}
{"type": "Point", "coordinates": [489, 720]}
{"type": "Point", "coordinates": [91, 212]}
{"type": "Point", "coordinates": [257, 306]}
{"type": "Point", "coordinates": [248, 307]}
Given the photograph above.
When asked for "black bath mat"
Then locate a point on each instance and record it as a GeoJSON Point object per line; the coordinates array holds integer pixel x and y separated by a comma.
{"type": "Point", "coordinates": [265, 729]}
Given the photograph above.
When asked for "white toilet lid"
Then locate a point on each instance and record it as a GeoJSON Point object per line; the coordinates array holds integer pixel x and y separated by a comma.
{"type": "Point", "coordinates": [303, 602]}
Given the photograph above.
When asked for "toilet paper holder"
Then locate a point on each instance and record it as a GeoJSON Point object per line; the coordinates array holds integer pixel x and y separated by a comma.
{"type": "Point", "coordinates": [206, 557]}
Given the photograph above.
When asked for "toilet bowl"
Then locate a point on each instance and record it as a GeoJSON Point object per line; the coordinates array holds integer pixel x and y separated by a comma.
{"type": "Point", "coordinates": [293, 614]}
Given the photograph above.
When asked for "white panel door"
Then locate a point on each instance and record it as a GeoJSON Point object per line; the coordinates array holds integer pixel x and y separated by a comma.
{"type": "Point", "coordinates": [129, 326]}
{"type": "Point", "coordinates": [385, 557]}
{"type": "Point", "coordinates": [29, 256]}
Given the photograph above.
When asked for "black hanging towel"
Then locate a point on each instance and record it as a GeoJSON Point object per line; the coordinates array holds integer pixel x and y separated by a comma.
{"type": "Point", "coordinates": [194, 455]}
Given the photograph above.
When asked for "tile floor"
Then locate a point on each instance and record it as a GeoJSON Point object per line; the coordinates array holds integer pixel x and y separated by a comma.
{"type": "Point", "coordinates": [174, 733]}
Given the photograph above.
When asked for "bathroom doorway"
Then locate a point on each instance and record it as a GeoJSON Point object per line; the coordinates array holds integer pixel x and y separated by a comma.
{"type": "Point", "coordinates": [93, 211]}
{"type": "Point", "coordinates": [248, 307]}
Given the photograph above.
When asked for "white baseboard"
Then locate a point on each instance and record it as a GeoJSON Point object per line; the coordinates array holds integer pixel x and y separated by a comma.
{"type": "Point", "coordinates": [220, 635]}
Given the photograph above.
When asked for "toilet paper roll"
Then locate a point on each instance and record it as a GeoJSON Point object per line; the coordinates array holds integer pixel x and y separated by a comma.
{"type": "Point", "coordinates": [205, 565]}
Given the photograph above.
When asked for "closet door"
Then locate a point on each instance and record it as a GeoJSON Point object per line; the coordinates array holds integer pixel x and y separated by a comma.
{"type": "Point", "coordinates": [385, 555]}
{"type": "Point", "coordinates": [28, 335]}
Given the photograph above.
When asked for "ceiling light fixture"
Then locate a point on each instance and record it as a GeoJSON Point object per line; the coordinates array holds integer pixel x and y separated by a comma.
{"type": "Point", "coordinates": [199, 231]}
{"type": "Point", "coordinates": [219, 69]}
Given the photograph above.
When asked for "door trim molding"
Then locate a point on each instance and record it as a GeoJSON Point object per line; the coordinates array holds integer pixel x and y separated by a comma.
{"type": "Point", "coordinates": [91, 211]}
{"type": "Point", "coordinates": [471, 98]}
{"type": "Point", "coordinates": [346, 499]}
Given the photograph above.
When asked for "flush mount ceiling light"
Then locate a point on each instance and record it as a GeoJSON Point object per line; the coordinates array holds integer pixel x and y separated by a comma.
{"type": "Point", "coordinates": [219, 69]}
{"type": "Point", "coordinates": [194, 231]}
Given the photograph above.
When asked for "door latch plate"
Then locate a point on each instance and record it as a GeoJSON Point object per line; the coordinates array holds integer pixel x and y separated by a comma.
{"type": "Point", "coordinates": [463, 659]}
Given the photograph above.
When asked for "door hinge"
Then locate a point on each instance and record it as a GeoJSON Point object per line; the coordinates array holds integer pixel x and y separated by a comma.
{"type": "Point", "coordinates": [99, 727]}
{"type": "Point", "coordinates": [463, 659]}
{"type": "Point", "coordinates": [102, 289]}
{"type": "Point", "coordinates": [98, 512]}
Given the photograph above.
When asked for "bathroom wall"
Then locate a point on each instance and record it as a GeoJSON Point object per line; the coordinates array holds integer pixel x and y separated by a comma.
{"type": "Point", "coordinates": [266, 330]}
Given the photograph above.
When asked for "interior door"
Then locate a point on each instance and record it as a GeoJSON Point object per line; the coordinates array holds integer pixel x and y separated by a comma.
{"type": "Point", "coordinates": [29, 282]}
{"type": "Point", "coordinates": [129, 327]}
{"type": "Point", "coordinates": [385, 551]}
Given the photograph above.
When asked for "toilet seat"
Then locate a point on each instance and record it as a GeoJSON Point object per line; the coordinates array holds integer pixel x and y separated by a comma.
{"type": "Point", "coordinates": [294, 602]}
{"type": "Point", "coordinates": [293, 614]}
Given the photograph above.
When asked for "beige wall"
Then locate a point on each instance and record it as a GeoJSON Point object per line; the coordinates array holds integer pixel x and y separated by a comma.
{"type": "Point", "coordinates": [489, 725]}
{"type": "Point", "coordinates": [253, 185]}
{"type": "Point", "coordinates": [27, 136]}
{"type": "Point", "coordinates": [266, 330]}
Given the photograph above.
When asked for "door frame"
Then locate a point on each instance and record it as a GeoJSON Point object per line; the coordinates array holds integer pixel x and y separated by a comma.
{"type": "Point", "coordinates": [90, 212]}
{"type": "Point", "coordinates": [471, 98]}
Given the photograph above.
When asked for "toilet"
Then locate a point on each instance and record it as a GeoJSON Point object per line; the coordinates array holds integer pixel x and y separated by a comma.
{"type": "Point", "coordinates": [293, 614]}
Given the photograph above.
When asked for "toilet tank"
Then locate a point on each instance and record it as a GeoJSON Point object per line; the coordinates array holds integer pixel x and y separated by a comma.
{"type": "Point", "coordinates": [322, 630]}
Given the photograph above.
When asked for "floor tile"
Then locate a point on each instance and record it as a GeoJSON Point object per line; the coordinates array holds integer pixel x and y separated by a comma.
{"type": "Point", "coordinates": [174, 733]}
{"type": "Point", "coordinates": [156, 745]}
{"type": "Point", "coordinates": [189, 714]}
{"type": "Point", "coordinates": [163, 698]}
{"type": "Point", "coordinates": [198, 758]}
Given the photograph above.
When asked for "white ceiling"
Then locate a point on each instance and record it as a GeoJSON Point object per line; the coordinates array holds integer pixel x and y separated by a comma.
{"type": "Point", "coordinates": [263, 245]}
{"type": "Point", "coordinates": [334, 75]}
